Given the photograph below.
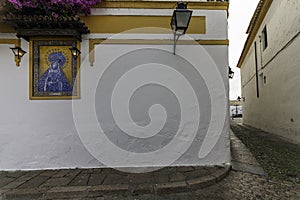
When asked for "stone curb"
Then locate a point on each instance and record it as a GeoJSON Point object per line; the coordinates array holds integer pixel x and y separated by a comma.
{"type": "Point", "coordinates": [96, 191]}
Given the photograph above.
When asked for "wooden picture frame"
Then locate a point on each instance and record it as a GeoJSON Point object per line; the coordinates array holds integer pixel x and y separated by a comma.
{"type": "Point", "coordinates": [54, 72]}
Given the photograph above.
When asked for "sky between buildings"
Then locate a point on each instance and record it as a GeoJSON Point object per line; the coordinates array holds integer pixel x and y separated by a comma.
{"type": "Point", "coordinates": [240, 14]}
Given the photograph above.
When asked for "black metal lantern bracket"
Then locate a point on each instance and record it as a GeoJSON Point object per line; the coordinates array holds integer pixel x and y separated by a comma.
{"type": "Point", "coordinates": [19, 53]}
{"type": "Point", "coordinates": [75, 52]}
{"type": "Point", "coordinates": [230, 73]}
{"type": "Point", "coordinates": [180, 21]}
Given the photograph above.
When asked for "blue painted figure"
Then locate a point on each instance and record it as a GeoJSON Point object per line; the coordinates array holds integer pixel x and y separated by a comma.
{"type": "Point", "coordinates": [54, 79]}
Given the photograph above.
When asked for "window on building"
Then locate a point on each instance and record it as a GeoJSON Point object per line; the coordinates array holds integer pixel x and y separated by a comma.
{"type": "Point", "coordinates": [261, 80]}
{"type": "Point", "coordinates": [264, 38]}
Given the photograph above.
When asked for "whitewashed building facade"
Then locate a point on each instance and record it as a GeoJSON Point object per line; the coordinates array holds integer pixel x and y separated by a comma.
{"type": "Point", "coordinates": [49, 133]}
{"type": "Point", "coordinates": [269, 67]}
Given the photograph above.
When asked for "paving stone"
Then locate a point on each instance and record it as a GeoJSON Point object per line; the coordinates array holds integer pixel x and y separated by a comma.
{"type": "Point", "coordinates": [196, 168]}
{"type": "Point", "coordinates": [244, 167]}
{"type": "Point", "coordinates": [15, 174]}
{"type": "Point", "coordinates": [114, 188]}
{"type": "Point", "coordinates": [212, 170]}
{"type": "Point", "coordinates": [100, 190]}
{"type": "Point", "coordinates": [141, 178]}
{"type": "Point", "coordinates": [195, 174]}
{"type": "Point", "coordinates": [2, 174]}
{"type": "Point", "coordinates": [184, 169]}
{"type": "Point", "coordinates": [221, 173]}
{"type": "Point", "coordinates": [161, 177]}
{"type": "Point", "coordinates": [115, 178]}
{"type": "Point", "coordinates": [81, 179]}
{"type": "Point", "coordinates": [2, 191]}
{"type": "Point", "coordinates": [172, 169]}
{"type": "Point", "coordinates": [168, 188]}
{"type": "Point", "coordinates": [61, 173]}
{"type": "Point", "coordinates": [16, 183]}
{"type": "Point", "coordinates": [164, 170]}
{"type": "Point", "coordinates": [138, 189]}
{"type": "Point", "coordinates": [72, 192]}
{"type": "Point", "coordinates": [96, 179]}
{"type": "Point", "coordinates": [21, 180]}
{"type": "Point", "coordinates": [73, 173]}
{"type": "Point", "coordinates": [97, 171]}
{"type": "Point", "coordinates": [201, 182]}
{"type": "Point", "coordinates": [5, 180]}
{"type": "Point", "coordinates": [54, 182]}
{"type": "Point", "coordinates": [240, 153]}
{"type": "Point", "coordinates": [31, 174]}
{"type": "Point", "coordinates": [48, 173]}
{"type": "Point", "coordinates": [24, 194]}
{"type": "Point", "coordinates": [119, 171]}
{"type": "Point", "coordinates": [34, 182]}
{"type": "Point", "coordinates": [177, 176]}
{"type": "Point", "coordinates": [108, 171]}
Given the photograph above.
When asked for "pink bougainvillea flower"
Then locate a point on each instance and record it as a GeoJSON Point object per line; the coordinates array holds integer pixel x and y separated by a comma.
{"type": "Point", "coordinates": [54, 8]}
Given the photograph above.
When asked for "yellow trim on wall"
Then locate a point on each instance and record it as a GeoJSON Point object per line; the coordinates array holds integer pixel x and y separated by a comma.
{"type": "Point", "coordinates": [17, 43]}
{"type": "Point", "coordinates": [4, 28]}
{"type": "Point", "coordinates": [92, 43]}
{"type": "Point", "coordinates": [96, 41]}
{"type": "Point", "coordinates": [121, 23]}
{"type": "Point", "coordinates": [118, 24]}
{"type": "Point", "coordinates": [213, 42]}
{"type": "Point", "coordinates": [147, 4]}
{"type": "Point", "coordinates": [259, 19]}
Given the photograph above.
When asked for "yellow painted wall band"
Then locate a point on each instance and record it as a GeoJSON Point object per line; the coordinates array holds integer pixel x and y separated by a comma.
{"type": "Point", "coordinates": [163, 5]}
{"type": "Point", "coordinates": [118, 24]}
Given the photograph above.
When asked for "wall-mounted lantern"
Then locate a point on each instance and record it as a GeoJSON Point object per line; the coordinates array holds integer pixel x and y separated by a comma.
{"type": "Point", "coordinates": [240, 98]}
{"type": "Point", "coordinates": [230, 73]}
{"type": "Point", "coordinates": [180, 21]}
{"type": "Point", "coordinates": [19, 53]}
{"type": "Point", "coordinates": [75, 52]}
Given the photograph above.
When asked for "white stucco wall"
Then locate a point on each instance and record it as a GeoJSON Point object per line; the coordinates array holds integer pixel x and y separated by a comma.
{"type": "Point", "coordinates": [40, 134]}
{"type": "Point", "coordinates": [277, 108]}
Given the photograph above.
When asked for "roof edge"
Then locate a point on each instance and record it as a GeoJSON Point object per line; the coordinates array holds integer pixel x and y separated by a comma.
{"type": "Point", "coordinates": [162, 4]}
{"type": "Point", "coordinates": [255, 16]}
{"type": "Point", "coordinates": [255, 23]}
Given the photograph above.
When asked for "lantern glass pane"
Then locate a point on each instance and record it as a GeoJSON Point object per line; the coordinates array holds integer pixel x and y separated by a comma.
{"type": "Point", "coordinates": [18, 51]}
{"type": "Point", "coordinates": [183, 18]}
{"type": "Point", "coordinates": [181, 31]}
{"type": "Point", "coordinates": [21, 53]}
{"type": "Point", "coordinates": [15, 51]}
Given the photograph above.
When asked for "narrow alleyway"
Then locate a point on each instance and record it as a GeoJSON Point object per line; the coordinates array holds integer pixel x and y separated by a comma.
{"type": "Point", "coordinates": [280, 159]}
